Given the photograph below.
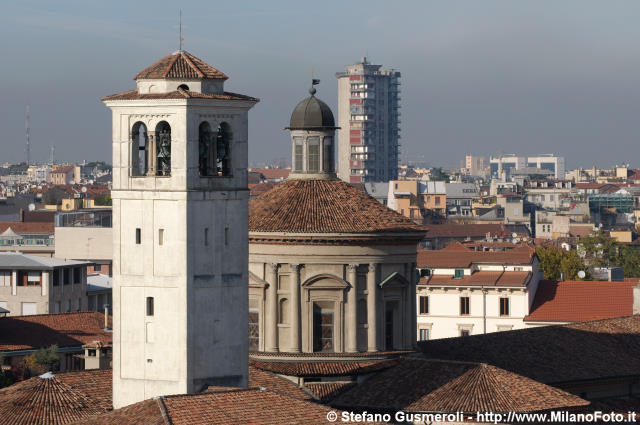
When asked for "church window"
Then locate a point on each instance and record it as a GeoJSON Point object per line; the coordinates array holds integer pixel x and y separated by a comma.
{"type": "Point", "coordinates": [138, 236]}
{"type": "Point", "coordinates": [313, 155]}
{"type": "Point", "coordinates": [254, 330]}
{"type": "Point", "coordinates": [163, 149]}
{"type": "Point", "coordinates": [298, 154]}
{"type": "Point", "coordinates": [149, 306]}
{"type": "Point", "coordinates": [206, 151]}
{"type": "Point", "coordinates": [139, 146]}
{"type": "Point", "coordinates": [160, 236]}
{"type": "Point", "coordinates": [327, 154]}
{"type": "Point", "coordinates": [223, 150]}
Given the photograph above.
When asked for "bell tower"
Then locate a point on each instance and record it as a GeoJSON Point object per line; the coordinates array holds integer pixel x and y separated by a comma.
{"type": "Point", "coordinates": [180, 205]}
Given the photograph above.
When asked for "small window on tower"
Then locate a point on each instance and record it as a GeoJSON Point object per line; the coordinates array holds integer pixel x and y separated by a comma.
{"type": "Point", "coordinates": [160, 236]}
{"type": "Point", "coordinates": [149, 306]}
{"type": "Point", "coordinates": [138, 236]}
{"type": "Point", "coordinates": [206, 236]}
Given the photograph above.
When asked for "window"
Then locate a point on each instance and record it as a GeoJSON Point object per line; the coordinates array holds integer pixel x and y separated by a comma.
{"type": "Point", "coordinates": [298, 154]}
{"type": "Point", "coordinates": [223, 150]}
{"type": "Point", "coordinates": [459, 274]}
{"type": "Point", "coordinates": [206, 150]}
{"type": "Point", "coordinates": [254, 330]}
{"type": "Point", "coordinates": [425, 272]}
{"type": "Point", "coordinates": [313, 154]}
{"type": "Point", "coordinates": [464, 306]}
{"type": "Point", "coordinates": [149, 306]}
{"type": "Point", "coordinates": [183, 87]}
{"type": "Point", "coordinates": [5, 278]}
{"type": "Point", "coordinates": [139, 146]}
{"type": "Point", "coordinates": [138, 236]}
{"type": "Point", "coordinates": [504, 306]}
{"type": "Point", "coordinates": [92, 353]}
{"type": "Point", "coordinates": [424, 305]}
{"type": "Point", "coordinates": [66, 276]}
{"type": "Point", "coordinates": [437, 200]}
{"type": "Point", "coordinates": [77, 273]}
{"type": "Point", "coordinates": [97, 267]}
{"type": "Point", "coordinates": [226, 236]}
{"type": "Point", "coordinates": [283, 316]}
{"type": "Point", "coordinates": [161, 237]}
{"type": "Point", "coordinates": [206, 236]}
{"type": "Point", "coordinates": [424, 334]}
{"type": "Point", "coordinates": [33, 279]}
{"type": "Point", "coordinates": [163, 149]}
{"type": "Point", "coordinates": [327, 154]}
{"type": "Point", "coordinates": [465, 332]}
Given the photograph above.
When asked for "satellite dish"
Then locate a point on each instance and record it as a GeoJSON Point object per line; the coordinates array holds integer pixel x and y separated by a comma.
{"type": "Point", "coordinates": [32, 207]}
{"type": "Point", "coordinates": [84, 189]}
{"type": "Point", "coordinates": [514, 241]}
{"type": "Point", "coordinates": [581, 274]}
{"type": "Point", "coordinates": [514, 235]}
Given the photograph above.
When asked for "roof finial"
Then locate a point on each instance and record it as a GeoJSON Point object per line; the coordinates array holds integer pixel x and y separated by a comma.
{"type": "Point", "coordinates": [314, 81]}
{"type": "Point", "coordinates": [181, 39]}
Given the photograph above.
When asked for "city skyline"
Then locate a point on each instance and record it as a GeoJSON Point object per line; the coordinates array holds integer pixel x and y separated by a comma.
{"type": "Point", "coordinates": [524, 78]}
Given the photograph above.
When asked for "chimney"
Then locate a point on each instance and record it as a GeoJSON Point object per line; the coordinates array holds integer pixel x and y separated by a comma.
{"type": "Point", "coordinates": [636, 299]}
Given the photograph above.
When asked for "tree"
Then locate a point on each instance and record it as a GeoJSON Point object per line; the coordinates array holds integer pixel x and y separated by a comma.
{"type": "Point", "coordinates": [103, 200]}
{"type": "Point", "coordinates": [557, 264]}
{"type": "Point", "coordinates": [599, 250]}
{"type": "Point", "coordinates": [43, 360]}
{"type": "Point", "coordinates": [437, 175]}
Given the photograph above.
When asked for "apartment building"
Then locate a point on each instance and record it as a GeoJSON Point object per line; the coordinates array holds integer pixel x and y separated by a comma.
{"type": "Point", "coordinates": [369, 123]}
{"type": "Point", "coordinates": [31, 284]}
{"type": "Point", "coordinates": [509, 163]}
{"type": "Point", "coordinates": [464, 292]}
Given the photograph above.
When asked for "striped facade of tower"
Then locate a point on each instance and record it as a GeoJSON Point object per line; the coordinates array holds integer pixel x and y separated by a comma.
{"type": "Point", "coordinates": [369, 121]}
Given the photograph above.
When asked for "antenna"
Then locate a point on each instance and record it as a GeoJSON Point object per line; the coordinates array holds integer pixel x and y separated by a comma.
{"type": "Point", "coordinates": [28, 147]}
{"type": "Point", "coordinates": [180, 24]}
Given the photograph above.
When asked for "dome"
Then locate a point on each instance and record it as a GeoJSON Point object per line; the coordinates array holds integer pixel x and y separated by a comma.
{"type": "Point", "coordinates": [311, 113]}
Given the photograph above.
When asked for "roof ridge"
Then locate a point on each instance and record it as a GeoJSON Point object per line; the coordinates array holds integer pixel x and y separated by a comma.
{"type": "Point", "coordinates": [186, 57]}
{"type": "Point", "coordinates": [171, 63]}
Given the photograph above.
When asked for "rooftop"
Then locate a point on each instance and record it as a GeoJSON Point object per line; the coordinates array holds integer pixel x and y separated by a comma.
{"type": "Point", "coordinates": [17, 260]}
{"type": "Point", "coordinates": [579, 301]}
{"type": "Point", "coordinates": [176, 94]}
{"type": "Point", "coordinates": [422, 385]}
{"type": "Point", "coordinates": [552, 354]}
{"type": "Point", "coordinates": [180, 65]}
{"type": "Point", "coordinates": [28, 227]}
{"type": "Point", "coordinates": [459, 256]}
{"type": "Point", "coordinates": [323, 206]}
{"type": "Point", "coordinates": [43, 330]}
{"type": "Point", "coordinates": [481, 278]}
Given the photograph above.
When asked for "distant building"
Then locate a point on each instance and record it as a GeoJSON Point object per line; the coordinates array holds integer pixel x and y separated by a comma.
{"type": "Point", "coordinates": [506, 163]}
{"type": "Point", "coordinates": [63, 175]}
{"type": "Point", "coordinates": [36, 238]}
{"type": "Point", "coordinates": [32, 284]}
{"type": "Point", "coordinates": [369, 123]}
{"type": "Point", "coordinates": [464, 292]}
{"type": "Point", "coordinates": [475, 165]}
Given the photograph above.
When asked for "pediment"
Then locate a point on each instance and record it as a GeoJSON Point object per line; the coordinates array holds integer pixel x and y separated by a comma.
{"type": "Point", "coordinates": [395, 279]}
{"type": "Point", "coordinates": [326, 281]}
{"type": "Point", "coordinates": [256, 282]}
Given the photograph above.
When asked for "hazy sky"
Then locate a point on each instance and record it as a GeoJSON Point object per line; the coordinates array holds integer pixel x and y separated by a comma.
{"type": "Point", "coordinates": [543, 76]}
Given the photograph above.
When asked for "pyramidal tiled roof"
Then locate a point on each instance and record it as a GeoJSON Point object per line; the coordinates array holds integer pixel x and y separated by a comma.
{"type": "Point", "coordinates": [181, 64]}
{"type": "Point", "coordinates": [323, 206]}
{"type": "Point", "coordinates": [46, 400]}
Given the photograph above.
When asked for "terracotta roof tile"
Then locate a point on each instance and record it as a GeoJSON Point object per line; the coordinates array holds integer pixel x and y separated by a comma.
{"type": "Point", "coordinates": [579, 301]}
{"type": "Point", "coordinates": [421, 385]}
{"type": "Point", "coordinates": [31, 227]}
{"type": "Point", "coordinates": [43, 330]}
{"type": "Point", "coordinates": [60, 399]}
{"type": "Point", "coordinates": [180, 65]}
{"type": "Point", "coordinates": [327, 391]}
{"type": "Point", "coordinates": [321, 368]}
{"type": "Point", "coordinates": [260, 378]}
{"type": "Point", "coordinates": [466, 230]}
{"type": "Point", "coordinates": [251, 406]}
{"type": "Point", "coordinates": [552, 354]}
{"type": "Point", "coordinates": [323, 206]}
{"type": "Point", "coordinates": [177, 94]}
{"type": "Point", "coordinates": [481, 278]}
{"type": "Point", "coordinates": [457, 258]}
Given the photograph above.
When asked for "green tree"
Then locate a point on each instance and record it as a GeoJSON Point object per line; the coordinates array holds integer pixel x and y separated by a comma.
{"type": "Point", "coordinates": [629, 260]}
{"type": "Point", "coordinates": [103, 200]}
{"type": "Point", "coordinates": [437, 175]}
{"type": "Point", "coordinates": [557, 264]}
{"type": "Point", "coordinates": [599, 250]}
{"type": "Point", "coordinates": [43, 360]}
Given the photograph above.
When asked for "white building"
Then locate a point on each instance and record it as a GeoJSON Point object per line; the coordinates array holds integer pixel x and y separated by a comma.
{"type": "Point", "coordinates": [506, 163]}
{"type": "Point", "coordinates": [180, 200]}
{"type": "Point", "coordinates": [464, 292]}
{"type": "Point", "coordinates": [369, 123]}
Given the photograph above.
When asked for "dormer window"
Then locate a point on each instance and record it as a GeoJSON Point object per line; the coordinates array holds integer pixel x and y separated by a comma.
{"type": "Point", "coordinates": [459, 274]}
{"type": "Point", "coordinates": [184, 87]}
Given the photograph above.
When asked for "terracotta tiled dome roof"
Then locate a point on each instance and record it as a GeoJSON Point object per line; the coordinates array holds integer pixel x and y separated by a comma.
{"type": "Point", "coordinates": [180, 65]}
{"type": "Point", "coordinates": [323, 206]}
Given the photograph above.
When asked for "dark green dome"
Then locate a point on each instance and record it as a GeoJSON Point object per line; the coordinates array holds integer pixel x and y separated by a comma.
{"type": "Point", "coordinates": [311, 114]}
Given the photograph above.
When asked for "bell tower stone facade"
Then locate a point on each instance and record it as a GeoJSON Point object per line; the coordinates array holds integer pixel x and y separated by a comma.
{"type": "Point", "coordinates": [180, 205]}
